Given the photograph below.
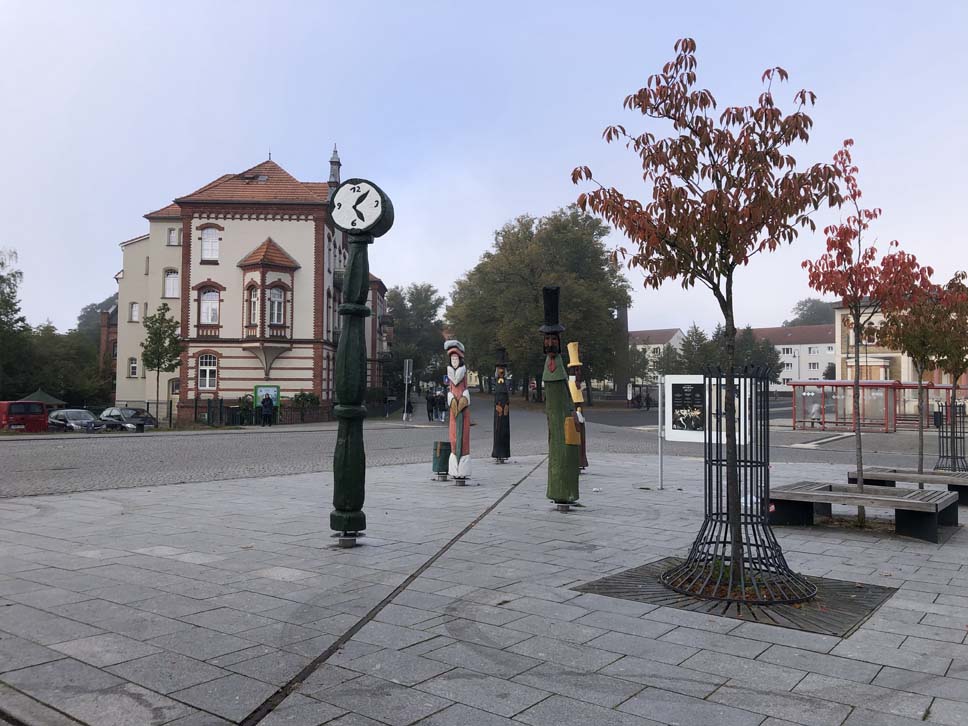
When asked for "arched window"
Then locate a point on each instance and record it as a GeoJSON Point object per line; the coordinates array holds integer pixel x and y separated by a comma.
{"type": "Point", "coordinates": [207, 372]}
{"type": "Point", "coordinates": [210, 244]}
{"type": "Point", "coordinates": [253, 305]}
{"type": "Point", "coordinates": [277, 306]}
{"type": "Point", "coordinates": [208, 306]}
{"type": "Point", "coordinates": [171, 283]}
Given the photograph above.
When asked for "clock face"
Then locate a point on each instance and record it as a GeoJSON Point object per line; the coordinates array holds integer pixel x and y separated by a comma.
{"type": "Point", "coordinates": [357, 206]}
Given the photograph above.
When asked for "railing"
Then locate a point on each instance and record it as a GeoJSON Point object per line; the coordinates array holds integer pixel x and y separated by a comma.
{"type": "Point", "coordinates": [239, 412]}
{"type": "Point", "coordinates": [251, 331]}
{"type": "Point", "coordinates": [207, 331]}
{"type": "Point", "coordinates": [277, 331]}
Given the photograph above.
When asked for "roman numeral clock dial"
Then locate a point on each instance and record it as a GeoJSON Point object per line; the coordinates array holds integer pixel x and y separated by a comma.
{"type": "Point", "coordinates": [359, 206]}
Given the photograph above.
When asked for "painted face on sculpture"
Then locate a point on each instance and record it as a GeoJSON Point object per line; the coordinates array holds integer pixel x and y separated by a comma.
{"type": "Point", "coordinates": [455, 361]}
{"type": "Point", "coordinates": [499, 374]}
{"type": "Point", "coordinates": [552, 344]}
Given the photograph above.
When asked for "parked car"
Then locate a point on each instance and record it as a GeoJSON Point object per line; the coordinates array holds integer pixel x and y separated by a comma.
{"type": "Point", "coordinates": [128, 419]}
{"type": "Point", "coordinates": [25, 416]}
{"type": "Point", "coordinates": [74, 419]}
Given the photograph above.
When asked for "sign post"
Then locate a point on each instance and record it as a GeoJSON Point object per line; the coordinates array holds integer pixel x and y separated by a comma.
{"type": "Point", "coordinates": [407, 379]}
{"type": "Point", "coordinates": [661, 427]}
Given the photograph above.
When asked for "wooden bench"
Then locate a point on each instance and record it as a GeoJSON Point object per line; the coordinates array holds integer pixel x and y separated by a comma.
{"type": "Point", "coordinates": [917, 512]}
{"type": "Point", "coordinates": [885, 476]}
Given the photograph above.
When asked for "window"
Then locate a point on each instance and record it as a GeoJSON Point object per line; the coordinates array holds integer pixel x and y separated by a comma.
{"type": "Point", "coordinates": [786, 381]}
{"type": "Point", "coordinates": [171, 283]}
{"type": "Point", "coordinates": [207, 371]}
{"type": "Point", "coordinates": [787, 351]}
{"type": "Point", "coordinates": [208, 307]}
{"type": "Point", "coordinates": [134, 313]}
{"type": "Point", "coordinates": [147, 267]}
{"type": "Point", "coordinates": [114, 350]}
{"type": "Point", "coordinates": [788, 366]}
{"type": "Point", "coordinates": [253, 305]}
{"type": "Point", "coordinates": [210, 244]}
{"type": "Point", "coordinates": [813, 349]}
{"type": "Point", "coordinates": [830, 349]}
{"type": "Point", "coordinates": [813, 366]}
{"type": "Point", "coordinates": [174, 386]}
{"type": "Point", "coordinates": [174, 237]}
{"type": "Point", "coordinates": [277, 306]}
{"type": "Point", "coordinates": [132, 367]}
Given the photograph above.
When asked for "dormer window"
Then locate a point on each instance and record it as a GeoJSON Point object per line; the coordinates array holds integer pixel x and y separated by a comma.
{"type": "Point", "coordinates": [210, 244]}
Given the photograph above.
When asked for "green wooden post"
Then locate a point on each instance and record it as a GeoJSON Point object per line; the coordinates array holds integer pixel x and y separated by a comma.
{"type": "Point", "coordinates": [363, 211]}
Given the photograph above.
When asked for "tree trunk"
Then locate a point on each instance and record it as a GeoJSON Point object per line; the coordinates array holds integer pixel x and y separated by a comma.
{"type": "Point", "coordinates": [920, 425]}
{"type": "Point", "coordinates": [952, 423]}
{"type": "Point", "coordinates": [157, 394]}
{"type": "Point", "coordinates": [861, 511]}
{"type": "Point", "coordinates": [733, 503]}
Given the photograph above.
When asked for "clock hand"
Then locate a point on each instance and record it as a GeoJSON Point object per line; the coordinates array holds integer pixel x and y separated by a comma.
{"type": "Point", "coordinates": [363, 196]}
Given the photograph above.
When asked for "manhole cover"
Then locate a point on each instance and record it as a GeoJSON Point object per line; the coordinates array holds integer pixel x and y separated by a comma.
{"type": "Point", "coordinates": [839, 608]}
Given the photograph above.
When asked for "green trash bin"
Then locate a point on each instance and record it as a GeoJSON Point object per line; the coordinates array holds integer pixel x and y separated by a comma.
{"type": "Point", "coordinates": [441, 459]}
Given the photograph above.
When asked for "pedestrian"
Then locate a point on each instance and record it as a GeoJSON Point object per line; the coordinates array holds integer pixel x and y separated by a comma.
{"type": "Point", "coordinates": [267, 409]}
{"type": "Point", "coordinates": [409, 409]}
{"type": "Point", "coordinates": [441, 406]}
{"type": "Point", "coordinates": [431, 405]}
{"type": "Point", "coordinates": [648, 401]}
{"type": "Point", "coordinates": [814, 414]}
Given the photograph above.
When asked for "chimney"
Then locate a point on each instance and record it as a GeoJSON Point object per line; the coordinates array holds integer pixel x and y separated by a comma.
{"type": "Point", "coordinates": [334, 165]}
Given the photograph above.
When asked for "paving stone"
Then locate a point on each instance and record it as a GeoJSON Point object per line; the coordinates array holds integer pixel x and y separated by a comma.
{"type": "Point", "coordinates": [558, 711]}
{"type": "Point", "coordinates": [107, 649]}
{"type": "Point", "coordinates": [480, 658]}
{"type": "Point", "coordinates": [591, 601]}
{"type": "Point", "coordinates": [862, 695]}
{"type": "Point", "coordinates": [580, 657]}
{"type": "Point", "coordinates": [483, 613]}
{"type": "Point", "coordinates": [675, 708]}
{"type": "Point", "coordinates": [42, 627]}
{"type": "Point", "coordinates": [47, 597]}
{"type": "Point", "coordinates": [435, 643]}
{"type": "Point", "coordinates": [313, 646]}
{"type": "Point", "coordinates": [591, 687]}
{"type": "Point", "coordinates": [298, 612]}
{"type": "Point", "coordinates": [351, 651]}
{"type": "Point", "coordinates": [536, 606]}
{"type": "Point", "coordinates": [405, 616]}
{"type": "Point", "coordinates": [277, 668]}
{"type": "Point", "coordinates": [232, 697]}
{"type": "Point", "coordinates": [481, 633]}
{"type": "Point", "coordinates": [572, 632]}
{"type": "Point", "coordinates": [20, 708]}
{"type": "Point", "coordinates": [166, 672]}
{"type": "Point", "coordinates": [626, 624]}
{"type": "Point", "coordinates": [325, 677]}
{"type": "Point", "coordinates": [789, 706]}
{"type": "Point", "coordinates": [715, 641]}
{"type": "Point", "coordinates": [227, 620]}
{"type": "Point", "coordinates": [280, 635]}
{"type": "Point", "coordinates": [334, 624]}
{"type": "Point", "coordinates": [882, 655]}
{"type": "Point", "coordinates": [55, 682]}
{"type": "Point", "coordinates": [487, 693]}
{"type": "Point", "coordinates": [230, 659]}
{"type": "Point", "coordinates": [382, 700]}
{"type": "Point", "coordinates": [461, 715]}
{"type": "Point", "coordinates": [298, 710]}
{"type": "Point", "coordinates": [828, 665]}
{"type": "Point", "coordinates": [250, 602]}
{"type": "Point", "coordinates": [402, 668]}
{"type": "Point", "coordinates": [665, 676]}
{"type": "Point", "coordinates": [954, 689]}
{"type": "Point", "coordinates": [864, 717]}
{"type": "Point", "coordinates": [286, 574]}
{"type": "Point", "coordinates": [659, 650]}
{"type": "Point", "coordinates": [201, 643]}
{"type": "Point", "coordinates": [390, 636]}
{"type": "Point", "coordinates": [745, 670]}
{"type": "Point", "coordinates": [19, 653]}
{"type": "Point", "coordinates": [172, 606]}
{"type": "Point", "coordinates": [12, 586]}
{"type": "Point", "coordinates": [786, 636]}
{"type": "Point", "coordinates": [354, 719]}
{"type": "Point", "coordinates": [124, 705]}
{"type": "Point", "coordinates": [700, 621]}
{"type": "Point", "coordinates": [951, 713]}
{"type": "Point", "coordinates": [124, 593]}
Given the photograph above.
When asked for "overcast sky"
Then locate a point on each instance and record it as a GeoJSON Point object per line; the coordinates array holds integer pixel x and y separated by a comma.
{"type": "Point", "coordinates": [467, 114]}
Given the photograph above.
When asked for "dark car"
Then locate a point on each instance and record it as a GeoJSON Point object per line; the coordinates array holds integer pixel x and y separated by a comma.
{"type": "Point", "coordinates": [74, 419]}
{"type": "Point", "coordinates": [128, 419]}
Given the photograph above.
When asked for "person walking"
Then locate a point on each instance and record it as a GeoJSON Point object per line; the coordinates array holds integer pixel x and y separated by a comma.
{"type": "Point", "coordinates": [431, 405]}
{"type": "Point", "coordinates": [267, 410]}
{"type": "Point", "coordinates": [441, 406]}
{"type": "Point", "coordinates": [408, 411]}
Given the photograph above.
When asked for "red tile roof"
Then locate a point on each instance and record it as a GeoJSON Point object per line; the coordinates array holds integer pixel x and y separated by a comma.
{"type": "Point", "coordinates": [653, 337]}
{"type": "Point", "coordinates": [269, 253]}
{"type": "Point", "coordinates": [320, 189]}
{"type": "Point", "coordinates": [172, 211]}
{"type": "Point", "coordinates": [265, 182]}
{"type": "Point", "coordinates": [797, 334]}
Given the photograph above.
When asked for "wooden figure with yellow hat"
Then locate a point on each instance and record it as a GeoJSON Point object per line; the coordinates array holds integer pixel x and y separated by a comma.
{"type": "Point", "coordinates": [577, 399]}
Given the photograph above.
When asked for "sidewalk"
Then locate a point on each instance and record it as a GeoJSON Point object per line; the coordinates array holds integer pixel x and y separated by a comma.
{"type": "Point", "coordinates": [194, 604]}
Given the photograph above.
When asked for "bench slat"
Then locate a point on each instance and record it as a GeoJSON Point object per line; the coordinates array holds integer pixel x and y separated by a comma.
{"type": "Point", "coordinates": [919, 500]}
{"type": "Point", "coordinates": [911, 475]}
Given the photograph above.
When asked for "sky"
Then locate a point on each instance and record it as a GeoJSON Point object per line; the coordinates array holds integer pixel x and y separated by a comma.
{"type": "Point", "coordinates": [466, 114]}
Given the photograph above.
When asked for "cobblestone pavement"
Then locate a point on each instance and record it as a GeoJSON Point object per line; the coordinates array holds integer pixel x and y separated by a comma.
{"type": "Point", "coordinates": [194, 604]}
{"type": "Point", "coordinates": [66, 463]}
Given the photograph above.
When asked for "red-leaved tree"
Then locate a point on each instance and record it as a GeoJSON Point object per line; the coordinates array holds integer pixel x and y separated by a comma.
{"type": "Point", "coordinates": [951, 348]}
{"type": "Point", "coordinates": [724, 187]}
{"type": "Point", "coordinates": [850, 269]}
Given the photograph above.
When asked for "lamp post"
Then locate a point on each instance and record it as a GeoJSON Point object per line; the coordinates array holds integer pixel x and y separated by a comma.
{"type": "Point", "coordinates": [363, 211]}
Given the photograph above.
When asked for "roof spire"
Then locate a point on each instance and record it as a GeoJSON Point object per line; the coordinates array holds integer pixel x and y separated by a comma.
{"type": "Point", "coordinates": [270, 152]}
{"type": "Point", "coordinates": [334, 165]}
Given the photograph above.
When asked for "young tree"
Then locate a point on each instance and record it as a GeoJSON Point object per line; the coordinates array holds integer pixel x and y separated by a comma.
{"type": "Point", "coordinates": [915, 324]}
{"type": "Point", "coordinates": [951, 344]}
{"type": "Point", "coordinates": [667, 361]}
{"type": "Point", "coordinates": [694, 353]}
{"type": "Point", "coordinates": [850, 270]}
{"type": "Point", "coordinates": [640, 364]}
{"type": "Point", "coordinates": [750, 352]}
{"type": "Point", "coordinates": [830, 372]}
{"type": "Point", "coordinates": [811, 311]}
{"type": "Point", "coordinates": [417, 333]}
{"type": "Point", "coordinates": [725, 187]}
{"type": "Point", "coordinates": [14, 331]}
{"type": "Point", "coordinates": [162, 346]}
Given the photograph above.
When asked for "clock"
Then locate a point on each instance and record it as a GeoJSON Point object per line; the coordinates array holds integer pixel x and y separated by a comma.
{"type": "Point", "coordinates": [359, 206]}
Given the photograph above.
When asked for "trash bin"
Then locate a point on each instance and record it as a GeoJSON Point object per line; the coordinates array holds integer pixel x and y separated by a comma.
{"type": "Point", "coordinates": [139, 428]}
{"type": "Point", "coordinates": [441, 459]}
{"type": "Point", "coordinates": [937, 419]}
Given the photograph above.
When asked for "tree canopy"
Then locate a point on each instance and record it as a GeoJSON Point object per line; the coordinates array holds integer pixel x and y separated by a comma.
{"type": "Point", "coordinates": [417, 333]}
{"type": "Point", "coordinates": [811, 311]}
{"type": "Point", "coordinates": [499, 303]}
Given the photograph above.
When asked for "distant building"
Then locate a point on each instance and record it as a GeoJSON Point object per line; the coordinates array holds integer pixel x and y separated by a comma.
{"type": "Point", "coordinates": [805, 351]}
{"type": "Point", "coordinates": [108, 343]}
{"type": "Point", "coordinates": [652, 342]}
{"type": "Point", "coordinates": [251, 266]}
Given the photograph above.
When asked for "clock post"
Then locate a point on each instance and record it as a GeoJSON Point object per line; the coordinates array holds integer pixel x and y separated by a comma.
{"type": "Point", "coordinates": [363, 211]}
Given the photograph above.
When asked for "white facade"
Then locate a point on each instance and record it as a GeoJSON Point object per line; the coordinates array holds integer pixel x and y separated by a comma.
{"type": "Point", "coordinates": [805, 352]}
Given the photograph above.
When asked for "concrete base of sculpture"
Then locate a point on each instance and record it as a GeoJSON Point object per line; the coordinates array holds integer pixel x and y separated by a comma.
{"type": "Point", "coordinates": [563, 507]}
{"type": "Point", "coordinates": [347, 539]}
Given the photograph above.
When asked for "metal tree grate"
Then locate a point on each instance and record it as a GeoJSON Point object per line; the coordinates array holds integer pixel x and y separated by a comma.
{"type": "Point", "coordinates": [763, 575]}
{"type": "Point", "coordinates": [951, 439]}
{"type": "Point", "coordinates": [839, 607]}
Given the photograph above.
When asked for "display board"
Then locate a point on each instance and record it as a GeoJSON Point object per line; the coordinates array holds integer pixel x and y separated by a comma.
{"type": "Point", "coordinates": [261, 391]}
{"type": "Point", "coordinates": [685, 408]}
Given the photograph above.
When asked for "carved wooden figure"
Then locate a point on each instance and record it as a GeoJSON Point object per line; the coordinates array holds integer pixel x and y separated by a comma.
{"type": "Point", "coordinates": [564, 443]}
{"type": "Point", "coordinates": [458, 401]}
{"type": "Point", "coordinates": [578, 399]}
{"type": "Point", "coordinates": [502, 411]}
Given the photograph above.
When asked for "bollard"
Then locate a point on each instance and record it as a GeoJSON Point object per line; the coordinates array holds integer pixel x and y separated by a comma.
{"type": "Point", "coordinates": [441, 459]}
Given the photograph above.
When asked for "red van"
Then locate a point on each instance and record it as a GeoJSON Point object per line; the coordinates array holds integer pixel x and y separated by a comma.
{"type": "Point", "coordinates": [26, 416]}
